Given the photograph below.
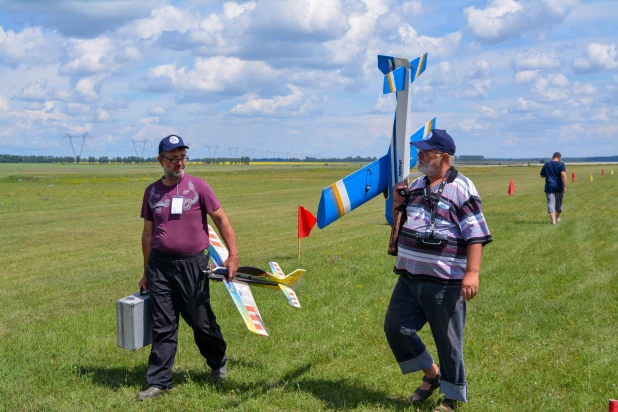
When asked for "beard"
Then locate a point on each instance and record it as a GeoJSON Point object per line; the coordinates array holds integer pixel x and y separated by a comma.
{"type": "Point", "coordinates": [173, 173]}
{"type": "Point", "coordinates": [431, 168]}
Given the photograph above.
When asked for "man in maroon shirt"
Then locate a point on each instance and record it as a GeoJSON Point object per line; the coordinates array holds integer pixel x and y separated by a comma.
{"type": "Point", "coordinates": [174, 240]}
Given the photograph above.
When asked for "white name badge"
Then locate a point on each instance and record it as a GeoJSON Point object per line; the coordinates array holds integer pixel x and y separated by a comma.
{"type": "Point", "coordinates": [177, 205]}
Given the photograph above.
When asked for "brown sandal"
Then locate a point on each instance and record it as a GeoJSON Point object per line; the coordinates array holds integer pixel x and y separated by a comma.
{"type": "Point", "coordinates": [426, 393]}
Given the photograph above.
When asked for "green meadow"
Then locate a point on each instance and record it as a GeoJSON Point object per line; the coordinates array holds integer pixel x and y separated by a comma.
{"type": "Point", "coordinates": [540, 336]}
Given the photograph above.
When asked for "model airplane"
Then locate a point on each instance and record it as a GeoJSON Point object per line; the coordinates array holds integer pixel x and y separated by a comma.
{"type": "Point", "coordinates": [380, 176]}
{"type": "Point", "coordinates": [239, 289]}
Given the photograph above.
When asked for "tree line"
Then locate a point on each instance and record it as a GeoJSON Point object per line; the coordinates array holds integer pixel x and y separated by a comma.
{"type": "Point", "coordinates": [6, 158]}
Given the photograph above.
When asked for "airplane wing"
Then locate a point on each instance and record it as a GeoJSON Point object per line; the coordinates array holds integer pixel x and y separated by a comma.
{"type": "Point", "coordinates": [243, 299]}
{"type": "Point", "coordinates": [239, 291]}
{"type": "Point", "coordinates": [291, 295]}
{"type": "Point", "coordinates": [363, 185]}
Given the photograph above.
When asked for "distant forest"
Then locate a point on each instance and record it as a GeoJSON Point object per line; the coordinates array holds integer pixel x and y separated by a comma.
{"type": "Point", "coordinates": [471, 159]}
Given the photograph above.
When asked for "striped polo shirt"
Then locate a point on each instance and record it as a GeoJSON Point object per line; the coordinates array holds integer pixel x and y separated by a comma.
{"type": "Point", "coordinates": [459, 215]}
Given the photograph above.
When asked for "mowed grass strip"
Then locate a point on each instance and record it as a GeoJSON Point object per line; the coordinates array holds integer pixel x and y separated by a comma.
{"type": "Point", "coordinates": [540, 335]}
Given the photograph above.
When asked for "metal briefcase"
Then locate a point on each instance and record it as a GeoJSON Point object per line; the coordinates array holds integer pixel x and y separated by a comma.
{"type": "Point", "coordinates": [133, 322]}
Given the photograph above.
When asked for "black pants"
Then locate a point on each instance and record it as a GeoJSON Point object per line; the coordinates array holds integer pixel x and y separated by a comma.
{"type": "Point", "coordinates": [178, 285]}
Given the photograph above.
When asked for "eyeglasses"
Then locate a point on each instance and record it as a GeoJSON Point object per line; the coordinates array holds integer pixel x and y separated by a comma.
{"type": "Point", "coordinates": [425, 153]}
{"type": "Point", "coordinates": [177, 159]}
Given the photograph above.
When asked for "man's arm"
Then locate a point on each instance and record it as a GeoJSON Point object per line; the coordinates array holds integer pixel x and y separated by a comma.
{"type": "Point", "coordinates": [146, 249]}
{"type": "Point", "coordinates": [228, 236]}
{"type": "Point", "coordinates": [470, 283]}
{"type": "Point", "coordinates": [564, 181]}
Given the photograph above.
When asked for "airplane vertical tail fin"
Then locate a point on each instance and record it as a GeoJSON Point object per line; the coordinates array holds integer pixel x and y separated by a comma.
{"type": "Point", "coordinates": [417, 67]}
{"type": "Point", "coordinates": [276, 270]}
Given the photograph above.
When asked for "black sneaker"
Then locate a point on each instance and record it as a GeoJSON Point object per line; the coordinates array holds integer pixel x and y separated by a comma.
{"type": "Point", "coordinates": [149, 393]}
{"type": "Point", "coordinates": [218, 375]}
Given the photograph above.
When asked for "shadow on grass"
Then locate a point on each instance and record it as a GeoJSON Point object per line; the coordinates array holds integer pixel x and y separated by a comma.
{"type": "Point", "coordinates": [113, 378]}
{"type": "Point", "coordinates": [336, 394]}
{"type": "Point", "coordinates": [116, 378]}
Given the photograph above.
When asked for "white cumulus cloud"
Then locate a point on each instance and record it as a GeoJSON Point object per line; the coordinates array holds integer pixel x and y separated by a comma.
{"type": "Point", "coordinates": [101, 116]}
{"type": "Point", "coordinates": [534, 61]}
{"type": "Point", "coordinates": [598, 57]}
{"type": "Point", "coordinates": [156, 111]}
{"type": "Point", "coordinates": [292, 104]}
{"type": "Point", "coordinates": [30, 46]}
{"type": "Point", "coordinates": [526, 76]}
{"type": "Point", "coordinates": [583, 88]}
{"type": "Point", "coordinates": [4, 104]}
{"type": "Point", "coordinates": [502, 20]}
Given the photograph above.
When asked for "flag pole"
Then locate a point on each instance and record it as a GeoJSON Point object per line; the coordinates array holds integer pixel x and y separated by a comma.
{"type": "Point", "coordinates": [298, 248]}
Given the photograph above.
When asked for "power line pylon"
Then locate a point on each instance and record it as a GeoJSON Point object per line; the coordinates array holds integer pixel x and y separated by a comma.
{"type": "Point", "coordinates": [233, 151]}
{"type": "Point", "coordinates": [213, 153]}
{"type": "Point", "coordinates": [81, 148]}
{"type": "Point", "coordinates": [138, 143]}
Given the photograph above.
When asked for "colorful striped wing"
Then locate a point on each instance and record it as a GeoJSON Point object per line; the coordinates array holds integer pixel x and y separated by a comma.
{"type": "Point", "coordinates": [276, 270]}
{"type": "Point", "coordinates": [291, 295]}
{"type": "Point", "coordinates": [218, 251]}
{"type": "Point", "coordinates": [243, 298]}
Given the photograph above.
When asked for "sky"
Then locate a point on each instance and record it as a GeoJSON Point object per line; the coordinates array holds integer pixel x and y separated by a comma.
{"type": "Point", "coordinates": [299, 78]}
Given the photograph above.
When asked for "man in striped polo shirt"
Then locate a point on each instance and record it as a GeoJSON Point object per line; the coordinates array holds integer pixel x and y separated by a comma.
{"type": "Point", "coordinates": [438, 263]}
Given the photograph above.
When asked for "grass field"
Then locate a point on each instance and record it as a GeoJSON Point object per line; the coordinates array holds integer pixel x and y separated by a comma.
{"type": "Point", "coordinates": [540, 336]}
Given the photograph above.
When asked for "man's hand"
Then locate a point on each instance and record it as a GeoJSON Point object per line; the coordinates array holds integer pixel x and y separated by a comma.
{"type": "Point", "coordinates": [397, 198]}
{"type": "Point", "coordinates": [232, 266]}
{"type": "Point", "coordinates": [470, 285]}
{"type": "Point", "coordinates": [143, 284]}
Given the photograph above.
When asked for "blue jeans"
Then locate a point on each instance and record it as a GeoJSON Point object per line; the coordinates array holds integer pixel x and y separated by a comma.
{"type": "Point", "coordinates": [414, 303]}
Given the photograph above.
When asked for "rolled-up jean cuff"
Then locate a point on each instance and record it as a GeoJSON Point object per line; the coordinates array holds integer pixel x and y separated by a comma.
{"type": "Point", "coordinates": [455, 392]}
{"type": "Point", "coordinates": [422, 361]}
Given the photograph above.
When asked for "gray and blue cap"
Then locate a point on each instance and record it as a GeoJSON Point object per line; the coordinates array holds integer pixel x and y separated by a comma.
{"type": "Point", "coordinates": [437, 139]}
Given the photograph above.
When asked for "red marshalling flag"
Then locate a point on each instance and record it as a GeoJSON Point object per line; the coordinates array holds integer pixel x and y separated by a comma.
{"type": "Point", "coordinates": [306, 221]}
{"type": "Point", "coordinates": [572, 176]}
{"type": "Point", "coordinates": [602, 172]}
{"type": "Point", "coordinates": [511, 187]}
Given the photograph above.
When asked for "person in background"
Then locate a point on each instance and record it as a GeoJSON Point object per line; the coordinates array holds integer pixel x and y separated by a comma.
{"type": "Point", "coordinates": [555, 176]}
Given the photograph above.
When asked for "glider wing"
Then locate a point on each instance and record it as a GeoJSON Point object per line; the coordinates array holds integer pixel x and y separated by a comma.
{"type": "Point", "coordinates": [243, 299]}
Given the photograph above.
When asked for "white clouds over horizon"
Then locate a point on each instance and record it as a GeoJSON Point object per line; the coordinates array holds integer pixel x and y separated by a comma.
{"type": "Point", "coordinates": [253, 71]}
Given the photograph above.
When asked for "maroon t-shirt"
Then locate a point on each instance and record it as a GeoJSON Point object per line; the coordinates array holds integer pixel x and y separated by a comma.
{"type": "Point", "coordinates": [185, 233]}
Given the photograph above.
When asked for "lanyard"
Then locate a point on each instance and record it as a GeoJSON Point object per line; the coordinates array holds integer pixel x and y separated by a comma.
{"type": "Point", "coordinates": [434, 198]}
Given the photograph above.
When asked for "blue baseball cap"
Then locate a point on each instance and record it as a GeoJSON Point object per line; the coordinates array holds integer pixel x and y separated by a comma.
{"type": "Point", "coordinates": [437, 140]}
{"type": "Point", "coordinates": [170, 143]}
